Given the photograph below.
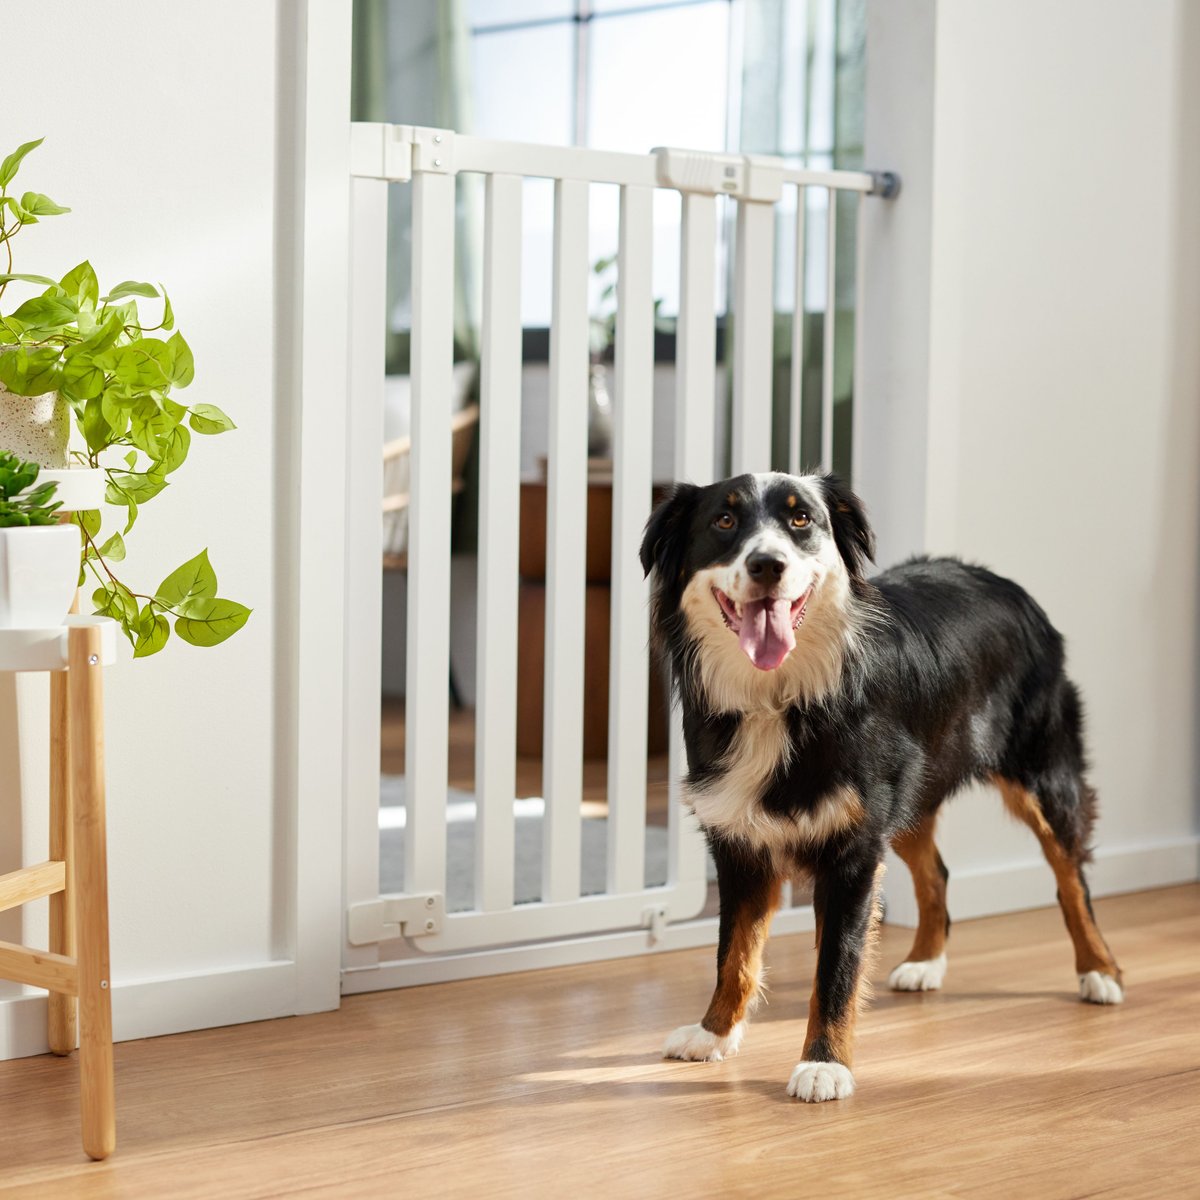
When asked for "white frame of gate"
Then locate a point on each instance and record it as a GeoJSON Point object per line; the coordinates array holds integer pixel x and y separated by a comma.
{"type": "Point", "coordinates": [564, 927]}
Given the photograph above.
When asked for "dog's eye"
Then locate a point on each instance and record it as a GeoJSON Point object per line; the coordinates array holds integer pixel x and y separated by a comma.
{"type": "Point", "coordinates": [725, 521]}
{"type": "Point", "coordinates": [799, 520]}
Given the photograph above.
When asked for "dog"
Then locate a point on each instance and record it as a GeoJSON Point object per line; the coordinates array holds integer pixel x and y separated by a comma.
{"type": "Point", "coordinates": [827, 715]}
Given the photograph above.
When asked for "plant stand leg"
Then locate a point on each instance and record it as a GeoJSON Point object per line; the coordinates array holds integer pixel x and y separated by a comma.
{"type": "Point", "coordinates": [62, 1028]}
{"type": "Point", "coordinates": [84, 685]}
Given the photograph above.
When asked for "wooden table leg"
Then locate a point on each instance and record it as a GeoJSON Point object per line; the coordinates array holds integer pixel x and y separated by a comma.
{"type": "Point", "coordinates": [91, 891]}
{"type": "Point", "coordinates": [63, 1032]}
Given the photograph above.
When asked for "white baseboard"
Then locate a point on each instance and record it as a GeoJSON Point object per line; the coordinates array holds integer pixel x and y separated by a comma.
{"type": "Point", "coordinates": [686, 935]}
{"type": "Point", "coordinates": [156, 1007]}
{"type": "Point", "coordinates": [988, 891]}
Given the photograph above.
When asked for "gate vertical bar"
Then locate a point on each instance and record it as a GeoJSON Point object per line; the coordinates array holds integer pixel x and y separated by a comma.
{"type": "Point", "coordinates": [566, 545]}
{"type": "Point", "coordinates": [860, 289]}
{"type": "Point", "coordinates": [633, 432]}
{"type": "Point", "coordinates": [364, 540]}
{"type": "Point", "coordinates": [499, 500]}
{"type": "Point", "coordinates": [753, 336]}
{"type": "Point", "coordinates": [695, 461]}
{"type": "Point", "coordinates": [828, 350]}
{"type": "Point", "coordinates": [796, 395]}
{"type": "Point", "coordinates": [428, 645]}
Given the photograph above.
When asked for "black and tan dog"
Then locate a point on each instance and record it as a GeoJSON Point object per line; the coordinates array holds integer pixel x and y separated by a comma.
{"type": "Point", "coordinates": [827, 716]}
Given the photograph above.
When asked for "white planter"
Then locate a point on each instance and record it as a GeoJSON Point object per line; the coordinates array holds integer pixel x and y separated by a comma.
{"type": "Point", "coordinates": [35, 428]}
{"type": "Point", "coordinates": [39, 571]}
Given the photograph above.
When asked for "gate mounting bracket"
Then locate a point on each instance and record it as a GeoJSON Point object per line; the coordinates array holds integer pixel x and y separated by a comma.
{"type": "Point", "coordinates": [395, 916]}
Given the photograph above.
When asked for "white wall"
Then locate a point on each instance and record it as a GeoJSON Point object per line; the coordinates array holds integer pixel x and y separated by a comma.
{"type": "Point", "coordinates": [1049, 377]}
{"type": "Point", "coordinates": [180, 168]}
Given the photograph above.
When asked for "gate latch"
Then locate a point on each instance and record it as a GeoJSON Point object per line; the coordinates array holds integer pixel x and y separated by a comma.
{"type": "Point", "coordinates": [391, 917]}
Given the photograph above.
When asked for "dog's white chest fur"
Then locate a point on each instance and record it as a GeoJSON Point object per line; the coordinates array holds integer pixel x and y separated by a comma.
{"type": "Point", "coordinates": [731, 804]}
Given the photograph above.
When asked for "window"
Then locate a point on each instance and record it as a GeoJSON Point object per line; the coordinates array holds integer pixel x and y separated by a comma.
{"type": "Point", "coordinates": [780, 77]}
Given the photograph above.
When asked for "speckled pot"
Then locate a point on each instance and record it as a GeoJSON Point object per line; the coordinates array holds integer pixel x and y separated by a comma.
{"type": "Point", "coordinates": [35, 428]}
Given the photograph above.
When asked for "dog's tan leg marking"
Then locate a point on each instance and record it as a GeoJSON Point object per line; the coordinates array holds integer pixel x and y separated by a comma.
{"type": "Point", "coordinates": [925, 967]}
{"type": "Point", "coordinates": [1093, 959]}
{"type": "Point", "coordinates": [739, 968]}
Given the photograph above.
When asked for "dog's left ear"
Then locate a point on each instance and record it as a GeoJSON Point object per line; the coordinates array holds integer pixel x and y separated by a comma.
{"type": "Point", "coordinates": [851, 530]}
{"type": "Point", "coordinates": [663, 541]}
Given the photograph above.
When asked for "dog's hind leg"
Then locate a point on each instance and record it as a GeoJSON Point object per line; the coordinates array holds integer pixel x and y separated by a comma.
{"type": "Point", "coordinates": [925, 967]}
{"type": "Point", "coordinates": [749, 891]}
{"type": "Point", "coordinates": [1062, 823]}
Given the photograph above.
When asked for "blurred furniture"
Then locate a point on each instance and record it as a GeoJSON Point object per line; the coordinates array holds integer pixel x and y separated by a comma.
{"type": "Point", "coordinates": [531, 648]}
{"type": "Point", "coordinates": [75, 970]}
{"type": "Point", "coordinates": [397, 467]}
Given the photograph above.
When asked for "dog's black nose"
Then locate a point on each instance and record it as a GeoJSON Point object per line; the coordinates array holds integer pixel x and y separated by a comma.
{"type": "Point", "coordinates": [767, 566]}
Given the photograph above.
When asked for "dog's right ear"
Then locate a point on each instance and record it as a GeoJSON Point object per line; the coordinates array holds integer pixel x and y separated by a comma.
{"type": "Point", "coordinates": [663, 543]}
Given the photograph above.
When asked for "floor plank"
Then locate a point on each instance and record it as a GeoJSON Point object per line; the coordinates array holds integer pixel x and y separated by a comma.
{"type": "Point", "coordinates": [549, 1084]}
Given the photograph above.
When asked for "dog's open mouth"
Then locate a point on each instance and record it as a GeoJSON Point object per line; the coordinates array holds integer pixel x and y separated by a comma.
{"type": "Point", "coordinates": [766, 629]}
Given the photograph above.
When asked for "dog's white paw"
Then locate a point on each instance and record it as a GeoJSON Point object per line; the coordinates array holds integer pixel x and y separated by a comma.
{"type": "Point", "coordinates": [694, 1043]}
{"type": "Point", "coordinates": [1097, 988]}
{"type": "Point", "coordinates": [924, 976]}
{"type": "Point", "coordinates": [817, 1081]}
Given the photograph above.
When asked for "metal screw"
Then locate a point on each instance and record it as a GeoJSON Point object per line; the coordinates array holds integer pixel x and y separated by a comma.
{"type": "Point", "coordinates": [104, 984]}
{"type": "Point", "coordinates": [437, 139]}
{"type": "Point", "coordinates": [93, 660]}
{"type": "Point", "coordinates": [429, 926]}
{"type": "Point", "coordinates": [428, 901]}
{"type": "Point", "coordinates": [437, 162]}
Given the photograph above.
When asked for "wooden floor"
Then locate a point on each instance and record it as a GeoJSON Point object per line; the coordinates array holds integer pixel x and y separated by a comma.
{"type": "Point", "coordinates": [549, 1085]}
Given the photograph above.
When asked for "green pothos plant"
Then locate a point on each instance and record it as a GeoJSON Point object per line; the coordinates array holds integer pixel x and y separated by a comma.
{"type": "Point", "coordinates": [120, 376]}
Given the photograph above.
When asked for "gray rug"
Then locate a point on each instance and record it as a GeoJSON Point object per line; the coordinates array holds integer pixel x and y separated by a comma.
{"type": "Point", "coordinates": [460, 845]}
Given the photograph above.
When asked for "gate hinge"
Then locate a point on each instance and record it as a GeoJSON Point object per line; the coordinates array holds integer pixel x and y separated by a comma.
{"type": "Point", "coordinates": [395, 916]}
{"type": "Point", "coordinates": [655, 920]}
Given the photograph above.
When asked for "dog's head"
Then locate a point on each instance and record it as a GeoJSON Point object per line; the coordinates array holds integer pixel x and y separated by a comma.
{"type": "Point", "coordinates": [749, 558]}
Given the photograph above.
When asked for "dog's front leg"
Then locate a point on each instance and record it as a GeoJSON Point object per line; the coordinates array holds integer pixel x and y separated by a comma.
{"type": "Point", "coordinates": [749, 892]}
{"type": "Point", "coordinates": [846, 902]}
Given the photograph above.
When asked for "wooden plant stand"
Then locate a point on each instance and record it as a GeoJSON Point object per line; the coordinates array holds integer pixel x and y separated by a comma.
{"type": "Point", "coordinates": [76, 967]}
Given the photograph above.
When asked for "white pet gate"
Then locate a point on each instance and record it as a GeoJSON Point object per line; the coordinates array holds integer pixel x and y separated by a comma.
{"type": "Point", "coordinates": [410, 938]}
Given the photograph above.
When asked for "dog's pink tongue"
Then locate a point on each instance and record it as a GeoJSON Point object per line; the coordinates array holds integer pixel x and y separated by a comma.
{"type": "Point", "coordinates": [767, 636]}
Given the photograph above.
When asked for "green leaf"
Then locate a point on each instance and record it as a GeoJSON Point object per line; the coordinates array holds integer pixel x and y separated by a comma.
{"type": "Point", "coordinates": [114, 549]}
{"type": "Point", "coordinates": [30, 372]}
{"type": "Point", "coordinates": [45, 280]}
{"type": "Point", "coordinates": [81, 284]}
{"type": "Point", "coordinates": [212, 622]}
{"type": "Point", "coordinates": [96, 430]}
{"type": "Point", "coordinates": [125, 486]}
{"type": "Point", "coordinates": [140, 366]}
{"type": "Point", "coordinates": [47, 312]}
{"type": "Point", "coordinates": [131, 459]}
{"type": "Point", "coordinates": [174, 450]}
{"type": "Point", "coordinates": [153, 629]}
{"type": "Point", "coordinates": [88, 520]}
{"type": "Point", "coordinates": [168, 317]}
{"type": "Point", "coordinates": [188, 586]}
{"type": "Point", "coordinates": [208, 418]}
{"type": "Point", "coordinates": [132, 288]}
{"type": "Point", "coordinates": [8, 168]}
{"type": "Point", "coordinates": [81, 378]}
{"type": "Point", "coordinates": [182, 367]}
{"type": "Point", "coordinates": [115, 600]}
{"type": "Point", "coordinates": [22, 217]}
{"type": "Point", "coordinates": [41, 206]}
{"type": "Point", "coordinates": [115, 408]}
